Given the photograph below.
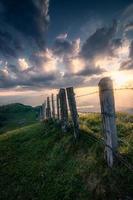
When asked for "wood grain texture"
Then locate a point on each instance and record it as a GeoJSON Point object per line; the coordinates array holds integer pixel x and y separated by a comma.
{"type": "Point", "coordinates": [108, 118]}
{"type": "Point", "coordinates": [73, 110]}
{"type": "Point", "coordinates": [63, 109]}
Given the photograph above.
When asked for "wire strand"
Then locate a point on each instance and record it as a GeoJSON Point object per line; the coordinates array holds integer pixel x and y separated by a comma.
{"type": "Point", "coordinates": [95, 92]}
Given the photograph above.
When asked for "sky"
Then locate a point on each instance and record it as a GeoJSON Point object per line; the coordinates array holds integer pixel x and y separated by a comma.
{"type": "Point", "coordinates": [49, 44]}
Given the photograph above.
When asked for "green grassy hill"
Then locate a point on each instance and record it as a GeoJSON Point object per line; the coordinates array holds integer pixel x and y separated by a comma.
{"type": "Point", "coordinates": [39, 162]}
{"type": "Point", "coordinates": [16, 115]}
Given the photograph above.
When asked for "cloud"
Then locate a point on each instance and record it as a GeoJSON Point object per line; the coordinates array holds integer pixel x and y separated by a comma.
{"type": "Point", "coordinates": [38, 71]}
{"type": "Point", "coordinates": [23, 65]}
{"type": "Point", "coordinates": [131, 50]}
{"type": "Point", "coordinates": [129, 26]}
{"type": "Point", "coordinates": [128, 64]}
{"type": "Point", "coordinates": [44, 62]}
{"type": "Point", "coordinates": [30, 64]}
{"type": "Point", "coordinates": [62, 36]}
{"type": "Point", "coordinates": [93, 23]}
{"type": "Point", "coordinates": [101, 43]}
{"type": "Point", "coordinates": [23, 26]}
{"type": "Point", "coordinates": [64, 47]}
{"type": "Point", "coordinates": [22, 44]}
{"type": "Point", "coordinates": [128, 13]}
{"type": "Point", "coordinates": [91, 70]}
{"type": "Point", "coordinates": [25, 79]}
{"type": "Point", "coordinates": [126, 20]}
{"type": "Point", "coordinates": [68, 53]}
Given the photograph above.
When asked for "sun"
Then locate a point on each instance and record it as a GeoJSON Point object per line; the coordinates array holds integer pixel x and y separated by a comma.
{"type": "Point", "coordinates": [119, 78]}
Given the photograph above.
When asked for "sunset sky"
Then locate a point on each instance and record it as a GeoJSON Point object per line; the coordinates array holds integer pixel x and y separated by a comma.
{"type": "Point", "coordinates": [48, 44]}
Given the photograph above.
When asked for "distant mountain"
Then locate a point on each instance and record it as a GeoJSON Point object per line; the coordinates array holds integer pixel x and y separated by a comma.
{"type": "Point", "coordinates": [130, 110]}
{"type": "Point", "coordinates": [17, 115]}
{"type": "Point", "coordinates": [125, 110]}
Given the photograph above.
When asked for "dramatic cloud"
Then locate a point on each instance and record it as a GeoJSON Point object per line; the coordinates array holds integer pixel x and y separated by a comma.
{"type": "Point", "coordinates": [69, 55]}
{"type": "Point", "coordinates": [23, 25]}
{"type": "Point", "coordinates": [25, 79]}
{"type": "Point", "coordinates": [40, 70]}
{"type": "Point", "coordinates": [131, 50]}
{"type": "Point", "coordinates": [129, 26]}
{"type": "Point", "coordinates": [101, 43]}
{"type": "Point", "coordinates": [126, 21]}
{"type": "Point", "coordinates": [64, 47]}
{"type": "Point", "coordinates": [127, 14]}
{"type": "Point", "coordinates": [27, 62]}
{"type": "Point", "coordinates": [23, 64]}
{"type": "Point", "coordinates": [128, 64]}
{"type": "Point", "coordinates": [126, 30]}
{"type": "Point", "coordinates": [91, 70]}
{"type": "Point", "coordinates": [22, 37]}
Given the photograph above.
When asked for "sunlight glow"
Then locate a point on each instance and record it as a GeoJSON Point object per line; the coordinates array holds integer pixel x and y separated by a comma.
{"type": "Point", "coordinates": [119, 78]}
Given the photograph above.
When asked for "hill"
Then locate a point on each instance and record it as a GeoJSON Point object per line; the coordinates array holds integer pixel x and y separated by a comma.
{"type": "Point", "coordinates": [40, 162]}
{"type": "Point", "coordinates": [16, 115]}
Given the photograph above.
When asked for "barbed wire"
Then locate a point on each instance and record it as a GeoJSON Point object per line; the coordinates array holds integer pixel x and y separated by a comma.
{"type": "Point", "coordinates": [126, 88]}
{"type": "Point", "coordinates": [97, 91]}
{"type": "Point", "coordinates": [116, 154]}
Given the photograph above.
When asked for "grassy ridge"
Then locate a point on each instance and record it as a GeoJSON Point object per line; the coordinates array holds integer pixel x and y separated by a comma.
{"type": "Point", "coordinates": [16, 115]}
{"type": "Point", "coordinates": [39, 162]}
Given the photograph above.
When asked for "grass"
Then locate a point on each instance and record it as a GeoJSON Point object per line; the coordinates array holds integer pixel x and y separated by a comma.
{"type": "Point", "coordinates": [39, 162]}
{"type": "Point", "coordinates": [16, 115]}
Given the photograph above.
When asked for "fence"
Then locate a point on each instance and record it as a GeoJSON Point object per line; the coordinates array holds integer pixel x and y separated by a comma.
{"type": "Point", "coordinates": [66, 102]}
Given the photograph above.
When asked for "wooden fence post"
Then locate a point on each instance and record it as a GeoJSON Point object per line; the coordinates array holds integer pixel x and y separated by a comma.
{"type": "Point", "coordinates": [58, 106]}
{"type": "Point", "coordinates": [46, 113]}
{"type": "Point", "coordinates": [108, 118]}
{"type": "Point", "coordinates": [48, 109]}
{"type": "Point", "coordinates": [44, 110]}
{"type": "Point", "coordinates": [73, 110]}
{"type": "Point", "coordinates": [53, 106]}
{"type": "Point", "coordinates": [40, 113]}
{"type": "Point", "coordinates": [63, 109]}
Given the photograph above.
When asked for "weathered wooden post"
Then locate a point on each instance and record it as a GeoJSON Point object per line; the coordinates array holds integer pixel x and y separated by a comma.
{"type": "Point", "coordinates": [53, 106]}
{"type": "Point", "coordinates": [40, 113]}
{"type": "Point", "coordinates": [47, 113]}
{"type": "Point", "coordinates": [108, 118]}
{"type": "Point", "coordinates": [48, 109]}
{"type": "Point", "coordinates": [58, 107]}
{"type": "Point", "coordinates": [73, 110]}
{"type": "Point", "coordinates": [44, 110]}
{"type": "Point", "coordinates": [63, 109]}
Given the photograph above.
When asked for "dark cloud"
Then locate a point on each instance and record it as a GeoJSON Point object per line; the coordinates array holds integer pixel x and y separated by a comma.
{"type": "Point", "coordinates": [26, 80]}
{"type": "Point", "coordinates": [127, 14]}
{"type": "Point", "coordinates": [131, 50]}
{"type": "Point", "coordinates": [69, 80]}
{"type": "Point", "coordinates": [23, 25]}
{"type": "Point", "coordinates": [93, 70]}
{"type": "Point", "coordinates": [22, 35]}
{"type": "Point", "coordinates": [62, 46]}
{"type": "Point", "coordinates": [69, 52]}
{"type": "Point", "coordinates": [101, 43]}
{"type": "Point", "coordinates": [65, 47]}
{"type": "Point", "coordinates": [38, 60]}
{"type": "Point", "coordinates": [7, 47]}
{"type": "Point", "coordinates": [128, 64]}
{"type": "Point", "coordinates": [129, 26]}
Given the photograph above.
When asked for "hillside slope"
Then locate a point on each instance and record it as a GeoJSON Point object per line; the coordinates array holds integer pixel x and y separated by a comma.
{"type": "Point", "coordinates": [16, 115]}
{"type": "Point", "coordinates": [39, 162]}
